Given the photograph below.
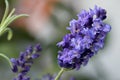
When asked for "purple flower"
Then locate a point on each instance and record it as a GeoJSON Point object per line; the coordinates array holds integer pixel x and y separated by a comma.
{"type": "Point", "coordinates": [47, 77]}
{"type": "Point", "coordinates": [51, 77]}
{"type": "Point", "coordinates": [100, 13]}
{"type": "Point", "coordinates": [72, 78]}
{"type": "Point", "coordinates": [86, 38]}
{"type": "Point", "coordinates": [22, 65]}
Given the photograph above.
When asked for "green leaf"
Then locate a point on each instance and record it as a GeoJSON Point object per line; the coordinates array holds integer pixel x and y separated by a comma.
{"type": "Point", "coordinates": [10, 33]}
{"type": "Point", "coordinates": [6, 11]}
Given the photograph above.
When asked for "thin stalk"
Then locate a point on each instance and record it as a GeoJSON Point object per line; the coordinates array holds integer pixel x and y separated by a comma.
{"type": "Point", "coordinates": [59, 74]}
{"type": "Point", "coordinates": [5, 57]}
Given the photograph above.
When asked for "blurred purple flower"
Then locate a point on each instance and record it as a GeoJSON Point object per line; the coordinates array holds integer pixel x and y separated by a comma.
{"type": "Point", "coordinates": [22, 65]}
{"type": "Point", "coordinates": [48, 77]}
{"type": "Point", "coordinates": [51, 77]}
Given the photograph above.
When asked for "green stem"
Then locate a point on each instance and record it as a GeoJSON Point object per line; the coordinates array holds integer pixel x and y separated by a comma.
{"type": "Point", "coordinates": [59, 74]}
{"type": "Point", "coordinates": [4, 56]}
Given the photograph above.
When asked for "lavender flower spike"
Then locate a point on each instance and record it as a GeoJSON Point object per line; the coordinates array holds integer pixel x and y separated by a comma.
{"type": "Point", "coordinates": [86, 38]}
{"type": "Point", "coordinates": [22, 65]}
